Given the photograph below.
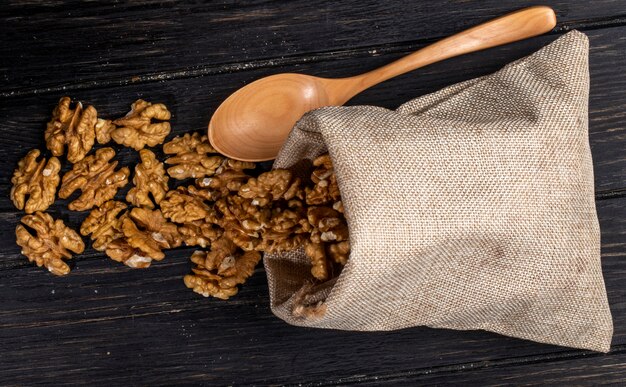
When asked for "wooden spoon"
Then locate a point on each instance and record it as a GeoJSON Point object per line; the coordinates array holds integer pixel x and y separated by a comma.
{"type": "Point", "coordinates": [253, 123]}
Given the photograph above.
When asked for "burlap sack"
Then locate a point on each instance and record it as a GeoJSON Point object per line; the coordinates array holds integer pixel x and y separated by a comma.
{"type": "Point", "coordinates": [469, 208]}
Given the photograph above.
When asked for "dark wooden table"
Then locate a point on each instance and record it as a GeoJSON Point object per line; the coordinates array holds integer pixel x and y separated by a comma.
{"type": "Point", "coordinates": [108, 324]}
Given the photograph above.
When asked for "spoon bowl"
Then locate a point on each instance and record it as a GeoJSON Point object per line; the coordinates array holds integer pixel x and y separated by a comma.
{"type": "Point", "coordinates": [277, 102]}
{"type": "Point", "coordinates": [253, 123]}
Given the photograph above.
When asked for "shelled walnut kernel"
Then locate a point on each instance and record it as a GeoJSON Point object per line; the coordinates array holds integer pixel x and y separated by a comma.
{"type": "Point", "coordinates": [218, 272]}
{"type": "Point", "coordinates": [150, 181]}
{"type": "Point", "coordinates": [193, 157]}
{"type": "Point", "coordinates": [36, 179]}
{"type": "Point", "coordinates": [145, 234]}
{"type": "Point", "coordinates": [137, 129]}
{"type": "Point", "coordinates": [104, 223]}
{"type": "Point", "coordinates": [97, 179]}
{"type": "Point", "coordinates": [74, 128]}
{"type": "Point", "coordinates": [52, 243]}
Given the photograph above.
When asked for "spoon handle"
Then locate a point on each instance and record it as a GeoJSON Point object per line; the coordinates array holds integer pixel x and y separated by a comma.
{"type": "Point", "coordinates": [515, 26]}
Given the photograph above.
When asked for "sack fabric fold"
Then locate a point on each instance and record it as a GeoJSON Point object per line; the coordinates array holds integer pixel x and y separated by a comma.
{"type": "Point", "coordinates": [469, 208]}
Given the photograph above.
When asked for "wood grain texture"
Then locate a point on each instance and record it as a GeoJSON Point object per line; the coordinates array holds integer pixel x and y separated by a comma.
{"type": "Point", "coordinates": [582, 370]}
{"type": "Point", "coordinates": [108, 324]}
{"type": "Point", "coordinates": [67, 44]}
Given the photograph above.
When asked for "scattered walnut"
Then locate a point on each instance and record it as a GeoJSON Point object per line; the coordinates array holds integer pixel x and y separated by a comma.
{"type": "Point", "coordinates": [326, 189]}
{"type": "Point", "coordinates": [224, 183]}
{"type": "Point", "coordinates": [242, 222]}
{"type": "Point", "coordinates": [38, 180]}
{"type": "Point", "coordinates": [96, 177]}
{"type": "Point", "coordinates": [162, 234]}
{"type": "Point", "coordinates": [51, 244]}
{"type": "Point", "coordinates": [195, 157]}
{"type": "Point", "coordinates": [103, 130]}
{"type": "Point", "coordinates": [136, 129]}
{"type": "Point", "coordinates": [72, 127]}
{"type": "Point", "coordinates": [271, 186]}
{"type": "Point", "coordinates": [199, 233]}
{"type": "Point", "coordinates": [145, 234]}
{"type": "Point", "coordinates": [235, 165]}
{"type": "Point", "coordinates": [219, 271]}
{"type": "Point", "coordinates": [181, 206]}
{"type": "Point", "coordinates": [150, 181]}
{"type": "Point", "coordinates": [104, 224]}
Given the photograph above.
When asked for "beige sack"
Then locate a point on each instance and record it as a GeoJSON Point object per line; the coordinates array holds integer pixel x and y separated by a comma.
{"type": "Point", "coordinates": [469, 208]}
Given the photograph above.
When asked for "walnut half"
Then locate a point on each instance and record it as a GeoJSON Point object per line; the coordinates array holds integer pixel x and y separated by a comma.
{"type": "Point", "coordinates": [51, 244]}
{"type": "Point", "coordinates": [219, 271]}
{"type": "Point", "coordinates": [74, 127]}
{"type": "Point", "coordinates": [193, 156]}
{"type": "Point", "coordinates": [137, 129]}
{"type": "Point", "coordinates": [96, 177]}
{"type": "Point", "coordinates": [38, 180]}
{"type": "Point", "coordinates": [150, 181]}
{"type": "Point", "coordinates": [145, 234]}
{"type": "Point", "coordinates": [104, 224]}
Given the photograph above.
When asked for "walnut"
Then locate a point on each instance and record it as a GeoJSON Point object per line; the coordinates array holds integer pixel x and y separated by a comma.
{"type": "Point", "coordinates": [328, 246]}
{"type": "Point", "coordinates": [224, 183]}
{"type": "Point", "coordinates": [136, 129]}
{"type": "Point", "coordinates": [242, 221]}
{"type": "Point", "coordinates": [250, 221]}
{"type": "Point", "coordinates": [329, 222]}
{"type": "Point", "coordinates": [323, 255]}
{"type": "Point", "coordinates": [103, 130]}
{"type": "Point", "coordinates": [194, 157]}
{"type": "Point", "coordinates": [104, 224]}
{"type": "Point", "coordinates": [96, 177]}
{"type": "Point", "coordinates": [154, 224]}
{"type": "Point", "coordinates": [339, 252]}
{"type": "Point", "coordinates": [150, 181]}
{"type": "Point", "coordinates": [235, 165]}
{"type": "Point", "coordinates": [286, 230]}
{"type": "Point", "coordinates": [146, 234]}
{"type": "Point", "coordinates": [271, 186]}
{"type": "Point", "coordinates": [328, 240]}
{"type": "Point", "coordinates": [38, 180]}
{"type": "Point", "coordinates": [319, 265]}
{"type": "Point", "coordinates": [51, 244]}
{"type": "Point", "coordinates": [72, 127]}
{"type": "Point", "coordinates": [325, 189]}
{"type": "Point", "coordinates": [219, 271]}
{"type": "Point", "coordinates": [199, 233]}
{"type": "Point", "coordinates": [181, 206]}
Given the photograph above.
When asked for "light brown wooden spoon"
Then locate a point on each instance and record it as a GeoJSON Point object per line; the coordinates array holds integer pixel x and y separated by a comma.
{"type": "Point", "coordinates": [253, 123]}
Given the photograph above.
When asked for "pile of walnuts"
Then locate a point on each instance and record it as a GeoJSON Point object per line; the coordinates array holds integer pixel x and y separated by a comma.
{"type": "Point", "coordinates": [220, 205]}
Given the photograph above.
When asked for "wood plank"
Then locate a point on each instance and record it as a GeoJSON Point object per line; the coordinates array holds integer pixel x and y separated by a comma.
{"type": "Point", "coordinates": [64, 45]}
{"type": "Point", "coordinates": [585, 370]}
{"type": "Point", "coordinates": [150, 329]}
{"type": "Point", "coordinates": [192, 101]}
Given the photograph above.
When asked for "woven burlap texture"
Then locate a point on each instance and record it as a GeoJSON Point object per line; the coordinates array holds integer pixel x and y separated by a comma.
{"type": "Point", "coordinates": [469, 208]}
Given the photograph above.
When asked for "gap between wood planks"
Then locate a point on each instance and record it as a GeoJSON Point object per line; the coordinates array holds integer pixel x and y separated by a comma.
{"type": "Point", "coordinates": [407, 376]}
{"type": "Point", "coordinates": [313, 57]}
